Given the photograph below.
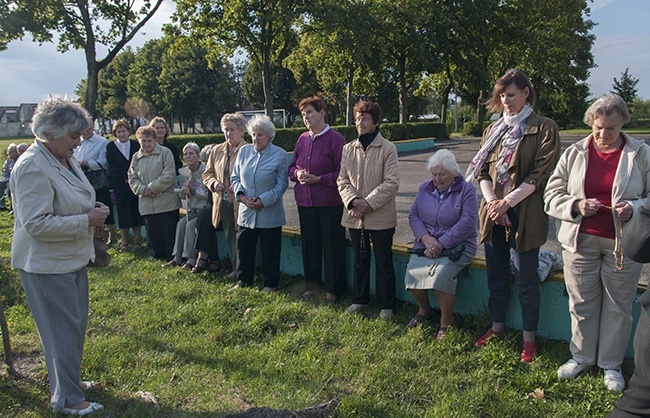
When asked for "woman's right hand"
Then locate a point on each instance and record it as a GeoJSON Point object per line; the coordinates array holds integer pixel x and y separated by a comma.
{"type": "Point", "coordinates": [98, 214]}
{"type": "Point", "coordinates": [586, 207]}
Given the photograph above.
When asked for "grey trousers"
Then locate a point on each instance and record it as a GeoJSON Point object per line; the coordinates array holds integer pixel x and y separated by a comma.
{"type": "Point", "coordinates": [600, 302]}
{"type": "Point", "coordinates": [229, 224]}
{"type": "Point", "coordinates": [186, 236]}
{"type": "Point", "coordinates": [59, 305]}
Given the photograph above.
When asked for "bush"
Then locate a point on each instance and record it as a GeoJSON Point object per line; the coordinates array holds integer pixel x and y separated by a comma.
{"type": "Point", "coordinates": [286, 138]}
{"type": "Point", "coordinates": [472, 128]}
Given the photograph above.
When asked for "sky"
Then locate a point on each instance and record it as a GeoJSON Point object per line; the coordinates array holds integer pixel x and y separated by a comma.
{"type": "Point", "coordinates": [30, 72]}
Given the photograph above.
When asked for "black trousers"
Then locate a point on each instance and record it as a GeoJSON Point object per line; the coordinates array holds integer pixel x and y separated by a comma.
{"type": "Point", "coordinates": [382, 241]}
{"type": "Point", "coordinates": [497, 257]}
{"type": "Point", "coordinates": [271, 243]}
{"type": "Point", "coordinates": [161, 233]}
{"type": "Point", "coordinates": [323, 245]}
{"type": "Point", "coordinates": [206, 236]}
{"type": "Point", "coordinates": [104, 196]}
{"type": "Point", "coordinates": [636, 398]}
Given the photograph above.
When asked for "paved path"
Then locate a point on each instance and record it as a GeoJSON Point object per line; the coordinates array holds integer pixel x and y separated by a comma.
{"type": "Point", "coordinates": [412, 172]}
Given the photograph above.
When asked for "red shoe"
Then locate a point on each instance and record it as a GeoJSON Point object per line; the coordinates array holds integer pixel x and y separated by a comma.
{"type": "Point", "coordinates": [529, 353]}
{"type": "Point", "coordinates": [487, 337]}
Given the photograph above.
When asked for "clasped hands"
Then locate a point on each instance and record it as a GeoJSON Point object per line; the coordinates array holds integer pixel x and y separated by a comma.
{"type": "Point", "coordinates": [305, 178]}
{"type": "Point", "coordinates": [496, 210]}
{"type": "Point", "coordinates": [433, 247]}
{"type": "Point", "coordinates": [360, 207]}
{"type": "Point", "coordinates": [98, 214]}
{"type": "Point", "coordinates": [589, 207]}
{"type": "Point", "coordinates": [254, 203]}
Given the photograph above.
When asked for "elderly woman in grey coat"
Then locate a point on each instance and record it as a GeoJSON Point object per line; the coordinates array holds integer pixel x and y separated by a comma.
{"type": "Point", "coordinates": [55, 212]}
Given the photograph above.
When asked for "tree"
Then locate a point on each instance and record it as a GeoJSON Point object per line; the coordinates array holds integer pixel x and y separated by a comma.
{"type": "Point", "coordinates": [338, 46]}
{"type": "Point", "coordinates": [112, 90]}
{"type": "Point", "coordinates": [547, 39]}
{"type": "Point", "coordinates": [196, 85]}
{"type": "Point", "coordinates": [626, 87]}
{"type": "Point", "coordinates": [79, 25]}
{"type": "Point", "coordinates": [142, 81]}
{"type": "Point", "coordinates": [285, 85]}
{"type": "Point", "coordinates": [265, 30]}
{"type": "Point", "coordinates": [409, 45]}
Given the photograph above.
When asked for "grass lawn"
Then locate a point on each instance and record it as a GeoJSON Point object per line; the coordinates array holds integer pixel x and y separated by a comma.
{"type": "Point", "coordinates": [205, 352]}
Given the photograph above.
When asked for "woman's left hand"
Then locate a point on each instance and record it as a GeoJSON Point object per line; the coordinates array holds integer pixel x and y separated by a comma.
{"type": "Point", "coordinates": [497, 208]}
{"type": "Point", "coordinates": [307, 179]}
{"type": "Point", "coordinates": [185, 190]}
{"type": "Point", "coordinates": [624, 211]}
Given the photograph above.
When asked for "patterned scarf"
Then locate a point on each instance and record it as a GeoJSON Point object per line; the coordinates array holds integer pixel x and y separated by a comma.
{"type": "Point", "coordinates": [511, 128]}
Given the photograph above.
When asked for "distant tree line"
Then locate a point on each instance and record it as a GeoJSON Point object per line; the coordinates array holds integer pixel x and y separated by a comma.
{"type": "Point", "coordinates": [415, 57]}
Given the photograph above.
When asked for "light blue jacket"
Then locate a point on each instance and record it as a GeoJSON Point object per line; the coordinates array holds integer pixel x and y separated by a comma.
{"type": "Point", "coordinates": [264, 175]}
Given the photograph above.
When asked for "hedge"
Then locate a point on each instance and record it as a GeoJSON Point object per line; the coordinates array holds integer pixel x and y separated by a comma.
{"type": "Point", "coordinates": [286, 138]}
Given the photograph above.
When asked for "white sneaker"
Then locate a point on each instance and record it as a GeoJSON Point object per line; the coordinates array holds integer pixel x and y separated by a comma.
{"type": "Point", "coordinates": [386, 314]}
{"type": "Point", "coordinates": [355, 307]}
{"type": "Point", "coordinates": [614, 380]}
{"type": "Point", "coordinates": [570, 369]}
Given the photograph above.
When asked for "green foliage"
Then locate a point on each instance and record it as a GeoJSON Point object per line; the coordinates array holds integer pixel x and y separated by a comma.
{"type": "Point", "coordinates": [79, 25]}
{"type": "Point", "coordinates": [286, 138]}
{"type": "Point", "coordinates": [626, 87]}
{"type": "Point", "coordinates": [265, 30]}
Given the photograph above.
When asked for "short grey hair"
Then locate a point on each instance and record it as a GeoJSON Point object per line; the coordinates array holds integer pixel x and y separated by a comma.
{"type": "Point", "coordinates": [606, 105]}
{"type": "Point", "coordinates": [23, 146]}
{"type": "Point", "coordinates": [59, 116]}
{"type": "Point", "coordinates": [12, 147]}
{"type": "Point", "coordinates": [237, 118]}
{"type": "Point", "coordinates": [194, 147]}
{"type": "Point", "coordinates": [261, 123]}
{"type": "Point", "coordinates": [205, 152]}
{"type": "Point", "coordinates": [446, 160]}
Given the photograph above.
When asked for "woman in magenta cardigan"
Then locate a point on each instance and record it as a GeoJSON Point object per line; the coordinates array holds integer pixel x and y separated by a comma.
{"type": "Point", "coordinates": [315, 166]}
{"type": "Point", "coordinates": [443, 217]}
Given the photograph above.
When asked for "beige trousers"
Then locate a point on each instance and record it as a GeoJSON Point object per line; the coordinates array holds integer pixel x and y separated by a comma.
{"type": "Point", "coordinates": [600, 301]}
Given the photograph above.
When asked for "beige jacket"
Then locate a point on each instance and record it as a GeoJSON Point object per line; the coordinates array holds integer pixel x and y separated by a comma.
{"type": "Point", "coordinates": [371, 175]}
{"type": "Point", "coordinates": [566, 185]}
{"type": "Point", "coordinates": [51, 232]}
{"type": "Point", "coordinates": [214, 174]}
{"type": "Point", "coordinates": [157, 171]}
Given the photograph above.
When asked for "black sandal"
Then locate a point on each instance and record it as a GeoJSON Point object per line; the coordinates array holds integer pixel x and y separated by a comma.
{"type": "Point", "coordinates": [200, 265]}
{"type": "Point", "coordinates": [214, 267]}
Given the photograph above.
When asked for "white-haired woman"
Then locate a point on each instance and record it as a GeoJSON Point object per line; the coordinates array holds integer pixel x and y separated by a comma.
{"type": "Point", "coordinates": [55, 212]}
{"type": "Point", "coordinates": [443, 217]}
{"type": "Point", "coordinates": [197, 197]}
{"type": "Point", "coordinates": [259, 179]}
{"type": "Point", "coordinates": [217, 178]}
{"type": "Point", "coordinates": [599, 183]}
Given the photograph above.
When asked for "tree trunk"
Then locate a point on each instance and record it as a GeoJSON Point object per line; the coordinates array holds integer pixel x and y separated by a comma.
{"type": "Point", "coordinates": [91, 89]}
{"type": "Point", "coordinates": [445, 102]}
{"type": "Point", "coordinates": [266, 84]}
{"type": "Point", "coordinates": [403, 93]}
{"type": "Point", "coordinates": [480, 112]}
{"type": "Point", "coordinates": [349, 111]}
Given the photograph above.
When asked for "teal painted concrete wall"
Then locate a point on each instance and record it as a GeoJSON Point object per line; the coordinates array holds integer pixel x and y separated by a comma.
{"type": "Point", "coordinates": [471, 295]}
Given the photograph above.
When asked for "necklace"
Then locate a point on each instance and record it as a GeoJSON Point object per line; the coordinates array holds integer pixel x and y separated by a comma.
{"type": "Point", "coordinates": [618, 250]}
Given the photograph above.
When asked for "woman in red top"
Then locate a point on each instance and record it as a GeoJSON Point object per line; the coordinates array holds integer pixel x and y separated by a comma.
{"type": "Point", "coordinates": [597, 186]}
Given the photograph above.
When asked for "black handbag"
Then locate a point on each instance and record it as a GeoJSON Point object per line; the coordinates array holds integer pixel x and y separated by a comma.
{"type": "Point", "coordinates": [99, 179]}
{"type": "Point", "coordinates": [636, 237]}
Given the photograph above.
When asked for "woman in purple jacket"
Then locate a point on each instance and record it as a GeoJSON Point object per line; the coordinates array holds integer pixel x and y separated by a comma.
{"type": "Point", "coordinates": [315, 166]}
{"type": "Point", "coordinates": [443, 219]}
